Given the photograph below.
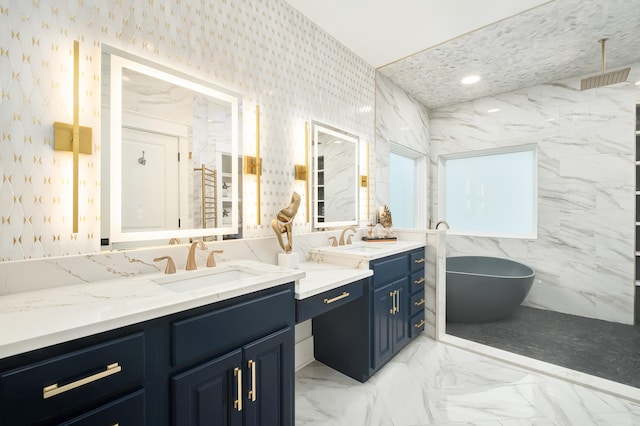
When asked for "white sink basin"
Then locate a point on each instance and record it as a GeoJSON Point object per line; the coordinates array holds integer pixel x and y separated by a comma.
{"type": "Point", "coordinates": [199, 280]}
{"type": "Point", "coordinates": [359, 249]}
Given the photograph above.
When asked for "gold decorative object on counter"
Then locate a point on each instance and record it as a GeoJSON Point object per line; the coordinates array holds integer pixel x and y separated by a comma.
{"type": "Point", "coordinates": [385, 217]}
{"type": "Point", "coordinates": [283, 222]}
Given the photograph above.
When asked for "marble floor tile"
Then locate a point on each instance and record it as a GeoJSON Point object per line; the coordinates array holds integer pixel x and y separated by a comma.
{"type": "Point", "coordinates": [431, 383]}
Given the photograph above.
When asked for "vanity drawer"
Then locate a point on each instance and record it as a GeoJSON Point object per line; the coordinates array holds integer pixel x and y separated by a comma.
{"type": "Point", "coordinates": [69, 382]}
{"type": "Point", "coordinates": [417, 324]}
{"type": "Point", "coordinates": [389, 269]}
{"type": "Point", "coordinates": [417, 281]}
{"type": "Point", "coordinates": [417, 303]}
{"type": "Point", "coordinates": [324, 302]}
{"type": "Point", "coordinates": [417, 259]}
{"type": "Point", "coordinates": [128, 410]}
{"type": "Point", "coordinates": [229, 328]}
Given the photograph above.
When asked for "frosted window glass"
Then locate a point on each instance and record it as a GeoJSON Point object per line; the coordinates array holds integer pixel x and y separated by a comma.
{"type": "Point", "coordinates": [492, 194]}
{"type": "Point", "coordinates": [402, 188]}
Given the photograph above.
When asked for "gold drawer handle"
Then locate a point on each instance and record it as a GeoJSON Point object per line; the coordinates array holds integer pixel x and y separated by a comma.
{"type": "Point", "coordinates": [53, 390]}
{"type": "Point", "coordinates": [237, 404]}
{"type": "Point", "coordinates": [253, 392]}
{"type": "Point", "coordinates": [335, 299]}
{"type": "Point", "coordinates": [421, 260]}
{"type": "Point", "coordinates": [419, 303]}
{"type": "Point", "coordinates": [420, 281]}
{"type": "Point", "coordinates": [420, 324]}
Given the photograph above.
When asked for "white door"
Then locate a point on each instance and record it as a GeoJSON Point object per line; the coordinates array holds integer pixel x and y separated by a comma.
{"type": "Point", "coordinates": [150, 181]}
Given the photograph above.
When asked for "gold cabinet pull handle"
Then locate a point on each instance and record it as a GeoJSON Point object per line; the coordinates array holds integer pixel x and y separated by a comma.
{"type": "Point", "coordinates": [419, 302]}
{"type": "Point", "coordinates": [397, 301]}
{"type": "Point", "coordinates": [335, 299]}
{"type": "Point", "coordinates": [54, 389]}
{"type": "Point", "coordinates": [252, 393]}
{"type": "Point", "coordinates": [421, 260]}
{"type": "Point", "coordinates": [393, 302]}
{"type": "Point", "coordinates": [420, 281]}
{"type": "Point", "coordinates": [237, 404]}
{"type": "Point", "coordinates": [420, 324]}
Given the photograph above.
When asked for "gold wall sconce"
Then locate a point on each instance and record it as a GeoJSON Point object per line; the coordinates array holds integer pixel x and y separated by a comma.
{"type": "Point", "coordinates": [300, 172]}
{"type": "Point", "coordinates": [73, 137]}
{"type": "Point", "coordinates": [253, 165]}
{"type": "Point", "coordinates": [364, 179]}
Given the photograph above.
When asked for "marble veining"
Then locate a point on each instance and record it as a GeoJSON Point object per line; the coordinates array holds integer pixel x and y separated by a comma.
{"type": "Point", "coordinates": [584, 251]}
{"type": "Point", "coordinates": [431, 383]}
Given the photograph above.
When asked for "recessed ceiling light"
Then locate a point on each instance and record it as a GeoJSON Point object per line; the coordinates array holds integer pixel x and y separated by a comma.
{"type": "Point", "coordinates": [492, 110]}
{"type": "Point", "coordinates": [638, 83]}
{"type": "Point", "coordinates": [470, 79]}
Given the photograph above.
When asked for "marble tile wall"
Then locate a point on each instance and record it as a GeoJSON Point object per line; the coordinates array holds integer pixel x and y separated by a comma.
{"type": "Point", "coordinates": [263, 49]}
{"type": "Point", "coordinates": [399, 119]}
{"type": "Point", "coordinates": [584, 253]}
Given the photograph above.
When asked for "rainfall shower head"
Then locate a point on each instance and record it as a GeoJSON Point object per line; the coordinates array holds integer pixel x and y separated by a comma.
{"type": "Point", "coordinates": [605, 78]}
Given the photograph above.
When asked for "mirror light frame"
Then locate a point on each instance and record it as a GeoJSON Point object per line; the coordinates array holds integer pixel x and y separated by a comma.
{"type": "Point", "coordinates": [115, 193]}
{"type": "Point", "coordinates": [349, 137]}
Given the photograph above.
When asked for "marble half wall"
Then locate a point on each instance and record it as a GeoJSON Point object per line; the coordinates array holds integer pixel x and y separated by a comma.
{"type": "Point", "coordinates": [584, 253]}
{"type": "Point", "coordinates": [402, 120]}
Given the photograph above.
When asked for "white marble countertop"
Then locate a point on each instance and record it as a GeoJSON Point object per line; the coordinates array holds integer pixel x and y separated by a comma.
{"type": "Point", "coordinates": [359, 254]}
{"type": "Point", "coordinates": [321, 277]}
{"type": "Point", "coordinates": [36, 319]}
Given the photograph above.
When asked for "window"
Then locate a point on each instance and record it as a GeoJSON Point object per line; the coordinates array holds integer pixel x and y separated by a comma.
{"type": "Point", "coordinates": [490, 192]}
{"type": "Point", "coordinates": [407, 186]}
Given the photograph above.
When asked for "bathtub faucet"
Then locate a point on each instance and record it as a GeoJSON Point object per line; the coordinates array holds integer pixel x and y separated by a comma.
{"type": "Point", "coordinates": [442, 222]}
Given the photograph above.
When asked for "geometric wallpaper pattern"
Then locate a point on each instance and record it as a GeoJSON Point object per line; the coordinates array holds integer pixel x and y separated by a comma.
{"type": "Point", "coordinates": [264, 50]}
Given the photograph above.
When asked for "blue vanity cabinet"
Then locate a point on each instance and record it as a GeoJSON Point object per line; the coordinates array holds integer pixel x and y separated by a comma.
{"type": "Point", "coordinates": [234, 365]}
{"type": "Point", "coordinates": [249, 386]}
{"type": "Point", "coordinates": [187, 368]}
{"type": "Point", "coordinates": [359, 337]}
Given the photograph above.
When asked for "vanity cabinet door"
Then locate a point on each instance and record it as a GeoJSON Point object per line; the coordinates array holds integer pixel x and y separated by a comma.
{"type": "Point", "coordinates": [382, 320]}
{"type": "Point", "coordinates": [269, 380]}
{"type": "Point", "coordinates": [208, 393]}
{"type": "Point", "coordinates": [400, 320]}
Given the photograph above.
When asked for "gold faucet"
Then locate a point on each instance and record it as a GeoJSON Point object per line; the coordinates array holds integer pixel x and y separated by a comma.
{"type": "Point", "coordinates": [191, 257]}
{"type": "Point", "coordinates": [351, 228]}
{"type": "Point", "coordinates": [211, 260]}
{"type": "Point", "coordinates": [333, 241]}
{"type": "Point", "coordinates": [171, 267]}
{"type": "Point", "coordinates": [175, 241]}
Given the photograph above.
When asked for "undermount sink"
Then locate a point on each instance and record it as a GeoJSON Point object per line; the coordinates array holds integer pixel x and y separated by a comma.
{"type": "Point", "coordinates": [360, 248]}
{"type": "Point", "coordinates": [198, 280]}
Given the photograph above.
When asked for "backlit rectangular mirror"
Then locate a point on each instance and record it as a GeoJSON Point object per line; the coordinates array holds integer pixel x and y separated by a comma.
{"type": "Point", "coordinates": [171, 148]}
{"type": "Point", "coordinates": [335, 176]}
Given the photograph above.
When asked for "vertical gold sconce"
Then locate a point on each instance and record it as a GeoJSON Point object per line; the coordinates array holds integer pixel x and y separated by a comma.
{"type": "Point", "coordinates": [302, 170]}
{"type": "Point", "coordinates": [364, 179]}
{"type": "Point", "coordinates": [73, 137]}
{"type": "Point", "coordinates": [253, 165]}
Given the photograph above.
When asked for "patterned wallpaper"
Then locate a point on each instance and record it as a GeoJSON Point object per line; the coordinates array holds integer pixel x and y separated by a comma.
{"type": "Point", "coordinates": [263, 49]}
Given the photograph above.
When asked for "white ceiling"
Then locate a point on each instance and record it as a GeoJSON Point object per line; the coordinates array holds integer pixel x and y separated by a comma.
{"type": "Point", "coordinates": [383, 31]}
{"type": "Point", "coordinates": [427, 46]}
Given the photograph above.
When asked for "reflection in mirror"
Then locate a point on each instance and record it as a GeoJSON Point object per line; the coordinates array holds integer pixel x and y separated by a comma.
{"type": "Point", "coordinates": [335, 177]}
{"type": "Point", "coordinates": [171, 149]}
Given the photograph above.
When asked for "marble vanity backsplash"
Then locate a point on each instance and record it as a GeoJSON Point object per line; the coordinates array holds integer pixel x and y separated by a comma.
{"type": "Point", "coordinates": [27, 275]}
